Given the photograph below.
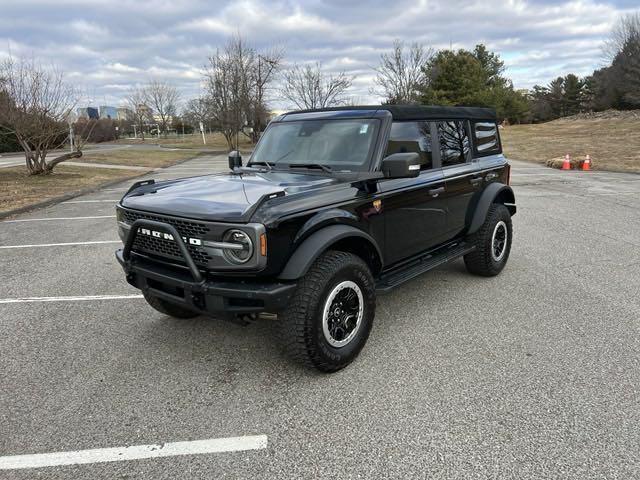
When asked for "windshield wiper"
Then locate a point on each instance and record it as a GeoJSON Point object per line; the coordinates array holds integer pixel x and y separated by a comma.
{"type": "Point", "coordinates": [267, 164]}
{"type": "Point", "coordinates": [324, 168]}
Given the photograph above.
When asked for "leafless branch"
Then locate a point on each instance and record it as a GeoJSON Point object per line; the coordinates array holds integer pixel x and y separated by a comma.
{"type": "Point", "coordinates": [36, 106]}
{"type": "Point", "coordinates": [401, 73]}
{"type": "Point", "coordinates": [163, 99]}
{"type": "Point", "coordinates": [237, 78]}
{"type": "Point", "coordinates": [307, 86]}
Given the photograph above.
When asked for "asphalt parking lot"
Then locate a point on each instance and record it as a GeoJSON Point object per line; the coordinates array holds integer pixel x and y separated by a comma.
{"type": "Point", "coordinates": [531, 374]}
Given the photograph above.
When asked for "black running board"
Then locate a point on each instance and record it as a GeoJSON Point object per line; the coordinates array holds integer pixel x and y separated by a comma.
{"type": "Point", "coordinates": [388, 281]}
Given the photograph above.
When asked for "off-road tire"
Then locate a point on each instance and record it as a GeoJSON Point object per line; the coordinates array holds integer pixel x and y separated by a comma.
{"type": "Point", "coordinates": [170, 309]}
{"type": "Point", "coordinates": [301, 323]}
{"type": "Point", "coordinates": [481, 261]}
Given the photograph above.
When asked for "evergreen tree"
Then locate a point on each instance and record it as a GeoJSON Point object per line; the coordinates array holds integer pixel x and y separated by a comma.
{"type": "Point", "coordinates": [572, 97]}
{"type": "Point", "coordinates": [472, 79]}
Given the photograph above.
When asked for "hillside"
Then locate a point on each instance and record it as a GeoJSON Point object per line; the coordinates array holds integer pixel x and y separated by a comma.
{"type": "Point", "coordinates": [611, 138]}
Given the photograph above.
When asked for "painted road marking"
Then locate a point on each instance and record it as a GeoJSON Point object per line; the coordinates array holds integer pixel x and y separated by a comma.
{"type": "Point", "coordinates": [91, 201]}
{"type": "Point", "coordinates": [85, 298]}
{"type": "Point", "coordinates": [68, 244]}
{"type": "Point", "coordinates": [57, 218]}
{"type": "Point", "coordinates": [134, 452]}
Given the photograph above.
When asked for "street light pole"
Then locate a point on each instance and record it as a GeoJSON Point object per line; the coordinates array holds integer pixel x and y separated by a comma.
{"type": "Point", "coordinates": [71, 137]}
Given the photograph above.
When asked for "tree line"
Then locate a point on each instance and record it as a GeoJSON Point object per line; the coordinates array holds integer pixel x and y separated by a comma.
{"type": "Point", "coordinates": [614, 86]}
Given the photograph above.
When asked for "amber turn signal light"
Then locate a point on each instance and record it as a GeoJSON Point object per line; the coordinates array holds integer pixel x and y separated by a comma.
{"type": "Point", "coordinates": [263, 244]}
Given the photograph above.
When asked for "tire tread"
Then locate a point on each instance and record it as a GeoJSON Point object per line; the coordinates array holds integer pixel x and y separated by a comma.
{"type": "Point", "coordinates": [297, 327]}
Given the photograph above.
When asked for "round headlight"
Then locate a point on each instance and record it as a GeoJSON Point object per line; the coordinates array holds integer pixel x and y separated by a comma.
{"type": "Point", "coordinates": [238, 255]}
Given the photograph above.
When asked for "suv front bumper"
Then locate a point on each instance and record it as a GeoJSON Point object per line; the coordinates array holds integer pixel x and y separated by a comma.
{"type": "Point", "coordinates": [191, 289]}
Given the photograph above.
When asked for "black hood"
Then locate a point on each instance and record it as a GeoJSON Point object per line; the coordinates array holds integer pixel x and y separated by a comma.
{"type": "Point", "coordinates": [219, 197]}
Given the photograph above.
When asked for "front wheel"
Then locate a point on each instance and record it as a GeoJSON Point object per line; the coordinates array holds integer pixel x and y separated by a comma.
{"type": "Point", "coordinates": [330, 316]}
{"type": "Point", "coordinates": [493, 243]}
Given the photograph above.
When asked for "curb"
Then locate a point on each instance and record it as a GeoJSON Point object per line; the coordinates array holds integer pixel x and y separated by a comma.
{"type": "Point", "coordinates": [78, 193]}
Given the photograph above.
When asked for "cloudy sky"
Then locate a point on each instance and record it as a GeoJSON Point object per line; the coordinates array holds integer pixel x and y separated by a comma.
{"type": "Point", "coordinates": [107, 46]}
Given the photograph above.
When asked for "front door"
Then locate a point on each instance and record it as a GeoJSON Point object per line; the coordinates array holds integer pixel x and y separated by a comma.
{"type": "Point", "coordinates": [415, 215]}
{"type": "Point", "coordinates": [415, 211]}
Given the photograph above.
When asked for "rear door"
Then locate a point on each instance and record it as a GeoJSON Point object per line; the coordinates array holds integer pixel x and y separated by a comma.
{"type": "Point", "coordinates": [460, 172]}
{"type": "Point", "coordinates": [414, 208]}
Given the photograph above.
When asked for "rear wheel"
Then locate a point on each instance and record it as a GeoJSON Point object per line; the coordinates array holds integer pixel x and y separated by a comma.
{"type": "Point", "coordinates": [170, 309]}
{"type": "Point", "coordinates": [493, 243]}
{"type": "Point", "coordinates": [330, 316]}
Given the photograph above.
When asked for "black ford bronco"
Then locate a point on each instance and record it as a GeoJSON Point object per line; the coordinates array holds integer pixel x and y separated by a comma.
{"type": "Point", "coordinates": [333, 207]}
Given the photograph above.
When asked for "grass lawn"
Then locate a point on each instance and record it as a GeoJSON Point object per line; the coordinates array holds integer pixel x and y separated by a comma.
{"type": "Point", "coordinates": [17, 189]}
{"type": "Point", "coordinates": [613, 144]}
{"type": "Point", "coordinates": [139, 157]}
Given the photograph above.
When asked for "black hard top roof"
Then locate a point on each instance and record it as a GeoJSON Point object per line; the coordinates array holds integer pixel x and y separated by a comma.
{"type": "Point", "coordinates": [408, 112]}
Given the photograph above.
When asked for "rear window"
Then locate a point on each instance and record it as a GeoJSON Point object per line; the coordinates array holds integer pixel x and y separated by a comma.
{"type": "Point", "coordinates": [454, 142]}
{"type": "Point", "coordinates": [486, 138]}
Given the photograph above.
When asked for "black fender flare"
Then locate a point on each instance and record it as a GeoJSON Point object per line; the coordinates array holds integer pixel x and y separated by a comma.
{"type": "Point", "coordinates": [319, 241]}
{"type": "Point", "coordinates": [492, 192]}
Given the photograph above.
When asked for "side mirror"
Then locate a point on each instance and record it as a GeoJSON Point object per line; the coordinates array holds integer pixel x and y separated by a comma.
{"type": "Point", "coordinates": [235, 159]}
{"type": "Point", "coordinates": [401, 165]}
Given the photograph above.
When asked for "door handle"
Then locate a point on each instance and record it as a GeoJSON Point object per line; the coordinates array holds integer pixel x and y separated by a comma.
{"type": "Point", "coordinates": [476, 181]}
{"type": "Point", "coordinates": [434, 192]}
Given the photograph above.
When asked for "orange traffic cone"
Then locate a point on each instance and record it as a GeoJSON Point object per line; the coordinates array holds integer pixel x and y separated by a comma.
{"type": "Point", "coordinates": [586, 165]}
{"type": "Point", "coordinates": [566, 165]}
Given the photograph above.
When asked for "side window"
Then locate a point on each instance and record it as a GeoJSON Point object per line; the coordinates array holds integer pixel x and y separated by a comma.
{"type": "Point", "coordinates": [454, 142]}
{"type": "Point", "coordinates": [412, 137]}
{"type": "Point", "coordinates": [486, 138]}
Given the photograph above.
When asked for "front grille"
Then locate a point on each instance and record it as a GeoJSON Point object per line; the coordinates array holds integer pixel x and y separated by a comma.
{"type": "Point", "coordinates": [168, 248]}
{"type": "Point", "coordinates": [186, 228]}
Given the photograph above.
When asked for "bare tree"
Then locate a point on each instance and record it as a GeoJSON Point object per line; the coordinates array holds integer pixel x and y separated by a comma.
{"type": "Point", "coordinates": [140, 111]}
{"type": "Point", "coordinates": [401, 73]}
{"type": "Point", "coordinates": [307, 86]}
{"type": "Point", "coordinates": [36, 107]}
{"type": "Point", "coordinates": [263, 72]}
{"type": "Point", "coordinates": [237, 78]}
{"type": "Point", "coordinates": [226, 83]}
{"type": "Point", "coordinates": [197, 110]}
{"type": "Point", "coordinates": [163, 99]}
{"type": "Point", "coordinates": [625, 32]}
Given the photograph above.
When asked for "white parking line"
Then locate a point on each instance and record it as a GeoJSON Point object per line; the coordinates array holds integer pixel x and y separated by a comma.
{"type": "Point", "coordinates": [91, 201]}
{"type": "Point", "coordinates": [135, 452]}
{"type": "Point", "coordinates": [85, 298]}
{"type": "Point", "coordinates": [68, 244]}
{"type": "Point", "coordinates": [46, 219]}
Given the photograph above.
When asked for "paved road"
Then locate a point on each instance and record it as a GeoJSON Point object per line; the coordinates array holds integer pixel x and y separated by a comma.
{"type": "Point", "coordinates": [532, 374]}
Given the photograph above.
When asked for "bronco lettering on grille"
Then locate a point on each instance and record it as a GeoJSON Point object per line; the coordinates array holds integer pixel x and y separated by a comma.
{"type": "Point", "coordinates": [168, 236]}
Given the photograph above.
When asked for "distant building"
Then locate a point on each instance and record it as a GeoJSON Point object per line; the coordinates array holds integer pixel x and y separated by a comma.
{"type": "Point", "coordinates": [88, 112]}
{"type": "Point", "coordinates": [124, 114]}
{"type": "Point", "coordinates": [158, 119]}
{"type": "Point", "coordinates": [109, 112]}
{"type": "Point", "coordinates": [145, 111]}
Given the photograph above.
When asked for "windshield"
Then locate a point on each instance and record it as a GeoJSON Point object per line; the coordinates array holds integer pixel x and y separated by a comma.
{"type": "Point", "coordinates": [337, 144]}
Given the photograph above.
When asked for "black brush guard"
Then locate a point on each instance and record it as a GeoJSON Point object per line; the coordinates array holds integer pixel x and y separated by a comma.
{"type": "Point", "coordinates": [191, 288]}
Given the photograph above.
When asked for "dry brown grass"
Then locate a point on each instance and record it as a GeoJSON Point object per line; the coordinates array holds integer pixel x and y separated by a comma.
{"type": "Point", "coordinates": [17, 189]}
{"type": "Point", "coordinates": [139, 157]}
{"type": "Point", "coordinates": [613, 144]}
